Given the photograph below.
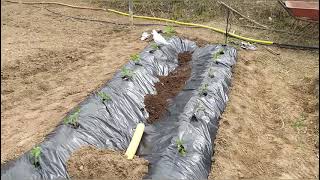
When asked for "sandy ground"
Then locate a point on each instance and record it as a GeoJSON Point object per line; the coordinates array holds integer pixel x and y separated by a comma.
{"type": "Point", "coordinates": [92, 163]}
{"type": "Point", "coordinates": [51, 63]}
{"type": "Point", "coordinates": [260, 134]}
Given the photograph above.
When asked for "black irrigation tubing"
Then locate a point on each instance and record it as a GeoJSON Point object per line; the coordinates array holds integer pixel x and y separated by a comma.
{"type": "Point", "coordinates": [292, 46]}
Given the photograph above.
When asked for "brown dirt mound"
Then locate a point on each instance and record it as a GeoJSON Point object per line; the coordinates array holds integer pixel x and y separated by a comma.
{"type": "Point", "coordinates": [168, 87]}
{"type": "Point", "coordinates": [93, 163]}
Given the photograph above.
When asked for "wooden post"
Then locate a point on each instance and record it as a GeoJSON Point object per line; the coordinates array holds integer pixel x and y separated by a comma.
{"type": "Point", "coordinates": [228, 15]}
{"type": "Point", "coordinates": [131, 12]}
{"type": "Point", "coordinates": [235, 11]}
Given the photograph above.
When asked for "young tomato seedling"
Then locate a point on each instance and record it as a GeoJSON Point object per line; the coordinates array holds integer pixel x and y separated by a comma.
{"type": "Point", "coordinates": [217, 55]}
{"type": "Point", "coordinates": [35, 156]}
{"type": "Point", "coordinates": [73, 119]}
{"type": "Point", "coordinates": [126, 74]}
{"type": "Point", "coordinates": [169, 31]}
{"type": "Point", "coordinates": [136, 59]}
{"type": "Point", "coordinates": [154, 46]}
{"type": "Point", "coordinates": [104, 96]}
{"type": "Point", "coordinates": [182, 151]}
{"type": "Point", "coordinates": [204, 89]}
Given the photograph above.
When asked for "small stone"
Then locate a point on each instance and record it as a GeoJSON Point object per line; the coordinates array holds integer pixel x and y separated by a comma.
{"type": "Point", "coordinates": [81, 167]}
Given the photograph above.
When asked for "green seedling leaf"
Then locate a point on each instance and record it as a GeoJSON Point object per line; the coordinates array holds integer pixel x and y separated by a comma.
{"type": "Point", "coordinates": [73, 118]}
{"type": "Point", "coordinates": [169, 31]}
{"type": "Point", "coordinates": [182, 151]}
{"type": "Point", "coordinates": [126, 73]}
{"type": "Point", "coordinates": [154, 46]}
{"type": "Point", "coordinates": [104, 96]}
{"type": "Point", "coordinates": [35, 155]}
{"type": "Point", "coordinates": [203, 89]}
{"type": "Point", "coordinates": [135, 58]}
{"type": "Point", "coordinates": [217, 55]}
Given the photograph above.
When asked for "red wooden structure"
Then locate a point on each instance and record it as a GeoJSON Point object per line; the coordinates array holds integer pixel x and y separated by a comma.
{"type": "Point", "coordinates": [302, 10]}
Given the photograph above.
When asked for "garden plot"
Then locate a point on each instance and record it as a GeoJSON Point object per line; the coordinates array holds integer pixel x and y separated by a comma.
{"type": "Point", "coordinates": [193, 92]}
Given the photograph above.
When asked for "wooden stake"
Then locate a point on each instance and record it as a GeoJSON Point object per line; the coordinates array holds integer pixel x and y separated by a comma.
{"type": "Point", "coordinates": [131, 12]}
{"type": "Point", "coordinates": [241, 14]}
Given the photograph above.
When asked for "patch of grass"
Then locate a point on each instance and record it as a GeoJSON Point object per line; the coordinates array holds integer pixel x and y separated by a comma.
{"type": "Point", "coordinates": [104, 96]}
{"type": "Point", "coordinates": [211, 10]}
{"type": "Point", "coordinates": [35, 156]}
{"type": "Point", "coordinates": [299, 123]}
{"type": "Point", "coordinates": [169, 31]}
{"type": "Point", "coordinates": [126, 74]}
{"type": "Point", "coordinates": [181, 149]}
{"type": "Point", "coordinates": [72, 119]}
{"type": "Point", "coordinates": [204, 90]}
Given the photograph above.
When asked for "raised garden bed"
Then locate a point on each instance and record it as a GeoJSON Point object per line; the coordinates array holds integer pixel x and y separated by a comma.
{"type": "Point", "coordinates": [180, 102]}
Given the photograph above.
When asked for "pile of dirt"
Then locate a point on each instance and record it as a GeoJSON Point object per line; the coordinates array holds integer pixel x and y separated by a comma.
{"type": "Point", "coordinates": [93, 163]}
{"type": "Point", "coordinates": [168, 87]}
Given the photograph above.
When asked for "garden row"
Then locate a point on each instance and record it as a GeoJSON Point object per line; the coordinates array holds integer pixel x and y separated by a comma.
{"type": "Point", "coordinates": [178, 145]}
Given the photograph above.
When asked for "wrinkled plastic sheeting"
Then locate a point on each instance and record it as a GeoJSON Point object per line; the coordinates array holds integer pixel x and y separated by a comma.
{"type": "Point", "coordinates": [192, 118]}
{"type": "Point", "coordinates": [111, 124]}
{"type": "Point", "coordinates": [104, 125]}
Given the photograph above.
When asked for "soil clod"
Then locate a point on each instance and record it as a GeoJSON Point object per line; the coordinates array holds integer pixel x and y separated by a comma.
{"type": "Point", "coordinates": [93, 163]}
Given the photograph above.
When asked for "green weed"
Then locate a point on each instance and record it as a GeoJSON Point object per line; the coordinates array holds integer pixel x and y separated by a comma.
{"type": "Point", "coordinates": [126, 73]}
{"type": "Point", "coordinates": [35, 155]}
{"type": "Point", "coordinates": [182, 151]}
{"type": "Point", "coordinates": [104, 96]}
{"type": "Point", "coordinates": [299, 123]}
{"type": "Point", "coordinates": [72, 119]}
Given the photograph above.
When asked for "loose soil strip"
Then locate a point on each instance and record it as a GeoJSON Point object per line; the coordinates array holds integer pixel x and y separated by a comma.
{"type": "Point", "coordinates": [92, 163]}
{"type": "Point", "coordinates": [168, 87]}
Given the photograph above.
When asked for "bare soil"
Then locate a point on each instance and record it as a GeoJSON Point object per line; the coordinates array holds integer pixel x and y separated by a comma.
{"type": "Point", "coordinates": [269, 129]}
{"type": "Point", "coordinates": [168, 87]}
{"type": "Point", "coordinates": [50, 63]}
{"type": "Point", "coordinates": [93, 163]}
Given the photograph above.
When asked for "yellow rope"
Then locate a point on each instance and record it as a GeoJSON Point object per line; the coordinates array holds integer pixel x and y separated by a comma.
{"type": "Point", "coordinates": [153, 18]}
{"type": "Point", "coordinates": [195, 25]}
